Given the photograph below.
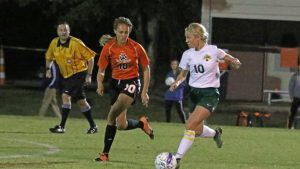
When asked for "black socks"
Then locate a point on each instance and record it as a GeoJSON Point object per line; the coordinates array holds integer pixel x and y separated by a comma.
{"type": "Point", "coordinates": [88, 116]}
{"type": "Point", "coordinates": [110, 133]}
{"type": "Point", "coordinates": [64, 116]}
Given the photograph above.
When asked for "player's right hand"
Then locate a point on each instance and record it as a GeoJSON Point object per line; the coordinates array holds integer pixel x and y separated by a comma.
{"type": "Point", "coordinates": [48, 73]}
{"type": "Point", "coordinates": [100, 89]}
{"type": "Point", "coordinates": [173, 86]}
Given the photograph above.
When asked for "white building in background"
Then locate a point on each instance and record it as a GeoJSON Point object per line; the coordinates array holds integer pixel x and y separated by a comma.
{"type": "Point", "coordinates": [277, 10]}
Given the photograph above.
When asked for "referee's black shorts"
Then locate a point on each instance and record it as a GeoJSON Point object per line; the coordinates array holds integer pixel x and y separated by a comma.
{"type": "Point", "coordinates": [74, 86]}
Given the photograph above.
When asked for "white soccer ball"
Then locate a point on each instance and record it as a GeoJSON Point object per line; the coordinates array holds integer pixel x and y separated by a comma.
{"type": "Point", "coordinates": [165, 160]}
{"type": "Point", "coordinates": [169, 81]}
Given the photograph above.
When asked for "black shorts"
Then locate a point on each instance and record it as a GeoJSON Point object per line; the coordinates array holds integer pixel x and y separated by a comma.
{"type": "Point", "coordinates": [130, 87]}
{"type": "Point", "coordinates": [74, 86]}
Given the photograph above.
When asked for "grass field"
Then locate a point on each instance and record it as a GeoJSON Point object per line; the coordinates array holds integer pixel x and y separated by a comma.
{"type": "Point", "coordinates": [26, 143]}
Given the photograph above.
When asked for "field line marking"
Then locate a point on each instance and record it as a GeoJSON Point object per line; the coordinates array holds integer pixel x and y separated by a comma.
{"type": "Point", "coordinates": [51, 149]}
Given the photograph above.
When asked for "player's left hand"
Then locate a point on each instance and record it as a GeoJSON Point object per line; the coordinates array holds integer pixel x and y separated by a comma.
{"type": "Point", "coordinates": [236, 64]}
{"type": "Point", "coordinates": [145, 99]}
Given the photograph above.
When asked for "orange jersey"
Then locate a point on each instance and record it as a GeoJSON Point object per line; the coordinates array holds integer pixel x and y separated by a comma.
{"type": "Point", "coordinates": [124, 59]}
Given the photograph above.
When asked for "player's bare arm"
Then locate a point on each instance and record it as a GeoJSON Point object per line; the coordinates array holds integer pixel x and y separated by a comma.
{"type": "Point", "coordinates": [88, 78]}
{"type": "Point", "coordinates": [100, 78]}
{"type": "Point", "coordinates": [234, 61]}
{"type": "Point", "coordinates": [48, 70]}
{"type": "Point", "coordinates": [181, 77]}
{"type": "Point", "coordinates": [144, 95]}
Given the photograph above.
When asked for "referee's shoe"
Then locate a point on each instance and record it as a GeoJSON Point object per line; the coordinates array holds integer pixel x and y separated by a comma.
{"type": "Point", "coordinates": [57, 129]}
{"type": "Point", "coordinates": [92, 130]}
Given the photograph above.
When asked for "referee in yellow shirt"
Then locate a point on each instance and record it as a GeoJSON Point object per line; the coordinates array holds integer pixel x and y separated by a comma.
{"type": "Point", "coordinates": [76, 62]}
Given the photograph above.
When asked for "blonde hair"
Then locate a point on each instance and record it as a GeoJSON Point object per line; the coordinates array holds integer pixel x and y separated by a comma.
{"type": "Point", "coordinates": [104, 39]}
{"type": "Point", "coordinates": [198, 30]}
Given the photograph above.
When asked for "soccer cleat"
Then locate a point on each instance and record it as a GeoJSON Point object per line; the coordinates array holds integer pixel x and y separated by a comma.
{"type": "Point", "coordinates": [147, 128]}
{"type": "Point", "coordinates": [177, 163]}
{"type": "Point", "coordinates": [92, 130]}
{"type": "Point", "coordinates": [217, 137]}
{"type": "Point", "coordinates": [57, 129]}
{"type": "Point", "coordinates": [291, 126]}
{"type": "Point", "coordinates": [103, 157]}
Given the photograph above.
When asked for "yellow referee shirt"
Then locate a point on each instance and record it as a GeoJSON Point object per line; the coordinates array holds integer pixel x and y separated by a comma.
{"type": "Point", "coordinates": [71, 56]}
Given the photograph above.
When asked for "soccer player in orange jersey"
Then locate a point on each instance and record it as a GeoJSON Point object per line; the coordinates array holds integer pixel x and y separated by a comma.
{"type": "Point", "coordinates": [124, 55]}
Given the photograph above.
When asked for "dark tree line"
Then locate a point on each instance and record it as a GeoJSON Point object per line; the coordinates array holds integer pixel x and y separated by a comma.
{"type": "Point", "coordinates": [158, 24]}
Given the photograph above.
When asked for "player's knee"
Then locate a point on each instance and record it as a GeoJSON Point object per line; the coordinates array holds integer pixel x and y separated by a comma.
{"type": "Point", "coordinates": [66, 99]}
{"type": "Point", "coordinates": [85, 108]}
{"type": "Point", "coordinates": [121, 126]}
{"type": "Point", "coordinates": [64, 95]}
{"type": "Point", "coordinates": [192, 125]}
